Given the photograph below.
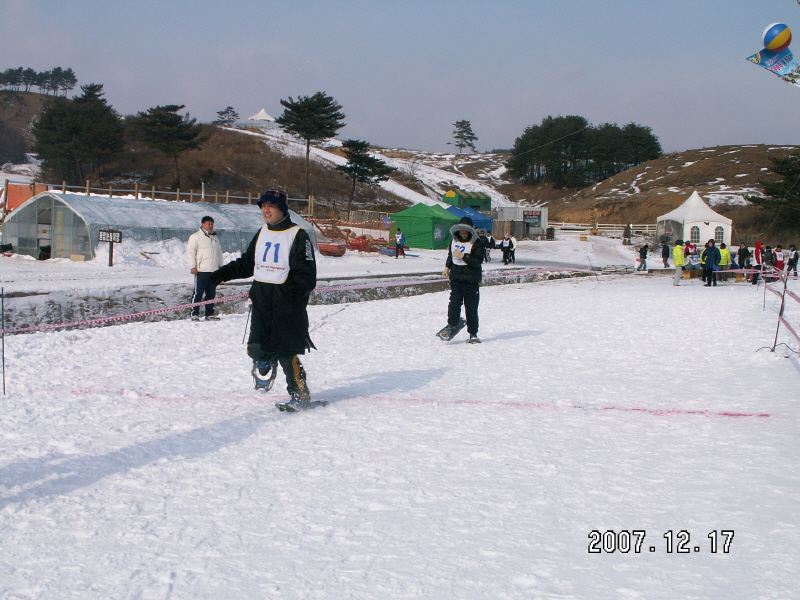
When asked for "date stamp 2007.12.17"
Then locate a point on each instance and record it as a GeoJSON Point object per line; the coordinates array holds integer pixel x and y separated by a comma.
{"type": "Point", "coordinates": [625, 541]}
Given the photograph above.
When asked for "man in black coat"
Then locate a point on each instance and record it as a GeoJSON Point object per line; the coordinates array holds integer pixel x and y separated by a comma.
{"type": "Point", "coordinates": [464, 267]}
{"type": "Point", "coordinates": [281, 259]}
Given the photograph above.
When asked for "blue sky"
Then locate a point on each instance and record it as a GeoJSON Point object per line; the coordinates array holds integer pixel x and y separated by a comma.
{"type": "Point", "coordinates": [406, 70]}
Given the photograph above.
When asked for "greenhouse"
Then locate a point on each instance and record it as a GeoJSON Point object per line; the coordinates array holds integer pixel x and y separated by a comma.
{"type": "Point", "coordinates": [64, 225]}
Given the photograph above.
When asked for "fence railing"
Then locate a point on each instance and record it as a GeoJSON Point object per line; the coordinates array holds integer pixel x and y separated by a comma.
{"type": "Point", "coordinates": [779, 286]}
{"type": "Point", "coordinates": [141, 191]}
{"type": "Point", "coordinates": [635, 228]}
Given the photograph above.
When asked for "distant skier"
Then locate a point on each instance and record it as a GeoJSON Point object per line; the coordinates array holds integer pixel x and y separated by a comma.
{"type": "Point", "coordinates": [505, 248]}
{"type": "Point", "coordinates": [678, 259]}
{"type": "Point", "coordinates": [490, 245]}
{"type": "Point", "coordinates": [399, 242]}
{"type": "Point", "coordinates": [464, 267]}
{"type": "Point", "coordinates": [643, 258]}
{"type": "Point", "coordinates": [791, 265]}
{"type": "Point", "coordinates": [281, 257]}
{"type": "Point", "coordinates": [710, 259]}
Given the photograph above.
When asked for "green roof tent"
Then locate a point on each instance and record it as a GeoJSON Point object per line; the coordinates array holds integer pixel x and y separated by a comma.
{"type": "Point", "coordinates": [460, 199]}
{"type": "Point", "coordinates": [426, 226]}
{"type": "Point", "coordinates": [69, 223]}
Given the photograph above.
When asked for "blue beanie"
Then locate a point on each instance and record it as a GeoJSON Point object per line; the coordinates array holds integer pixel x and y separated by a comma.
{"type": "Point", "coordinates": [276, 197]}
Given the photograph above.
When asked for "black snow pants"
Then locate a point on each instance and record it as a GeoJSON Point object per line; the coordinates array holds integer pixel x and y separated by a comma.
{"type": "Point", "coordinates": [467, 294]}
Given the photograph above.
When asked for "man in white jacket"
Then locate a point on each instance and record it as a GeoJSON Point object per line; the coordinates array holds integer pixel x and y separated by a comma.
{"type": "Point", "coordinates": [204, 255]}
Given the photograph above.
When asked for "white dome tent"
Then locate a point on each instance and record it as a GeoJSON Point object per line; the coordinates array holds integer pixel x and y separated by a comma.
{"type": "Point", "coordinates": [694, 221]}
{"type": "Point", "coordinates": [261, 116]}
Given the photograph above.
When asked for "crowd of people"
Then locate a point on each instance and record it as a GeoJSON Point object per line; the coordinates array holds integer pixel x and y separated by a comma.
{"type": "Point", "coordinates": [715, 260]}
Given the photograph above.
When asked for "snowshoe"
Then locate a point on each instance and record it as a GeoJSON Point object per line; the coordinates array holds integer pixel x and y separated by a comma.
{"type": "Point", "coordinates": [297, 405]}
{"type": "Point", "coordinates": [264, 373]}
{"type": "Point", "coordinates": [473, 339]}
{"type": "Point", "coordinates": [449, 332]}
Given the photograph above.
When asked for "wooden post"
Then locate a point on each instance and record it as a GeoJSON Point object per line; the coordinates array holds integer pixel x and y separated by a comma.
{"type": "Point", "coordinates": [177, 194]}
{"type": "Point", "coordinates": [311, 206]}
{"type": "Point", "coordinates": [63, 187]}
{"type": "Point", "coordinates": [109, 190]}
{"type": "Point", "coordinates": [5, 196]}
{"type": "Point", "coordinates": [216, 197]}
{"type": "Point", "coordinates": [110, 254]}
{"type": "Point", "coordinates": [191, 195]}
{"type": "Point", "coordinates": [227, 197]}
{"type": "Point", "coordinates": [87, 187]}
{"type": "Point", "coordinates": [154, 192]}
{"type": "Point", "coordinates": [136, 190]}
{"type": "Point", "coordinates": [249, 197]}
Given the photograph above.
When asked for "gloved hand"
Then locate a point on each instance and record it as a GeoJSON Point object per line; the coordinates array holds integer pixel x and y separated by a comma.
{"type": "Point", "coordinates": [446, 272]}
{"type": "Point", "coordinates": [458, 254]}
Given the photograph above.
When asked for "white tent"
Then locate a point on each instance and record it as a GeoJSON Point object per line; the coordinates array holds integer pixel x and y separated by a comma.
{"type": "Point", "coordinates": [261, 116]}
{"type": "Point", "coordinates": [694, 220]}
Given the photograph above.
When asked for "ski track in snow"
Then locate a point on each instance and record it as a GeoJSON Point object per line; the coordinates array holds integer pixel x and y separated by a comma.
{"type": "Point", "coordinates": [137, 462]}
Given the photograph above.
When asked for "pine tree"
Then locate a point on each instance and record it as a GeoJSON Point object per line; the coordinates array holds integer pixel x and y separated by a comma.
{"type": "Point", "coordinates": [782, 197]}
{"type": "Point", "coordinates": [361, 166]}
{"type": "Point", "coordinates": [162, 128]}
{"type": "Point", "coordinates": [312, 118]}
{"type": "Point", "coordinates": [464, 136]}
{"type": "Point", "coordinates": [78, 137]}
{"type": "Point", "coordinates": [29, 78]}
{"type": "Point", "coordinates": [68, 81]}
{"type": "Point", "coordinates": [226, 117]}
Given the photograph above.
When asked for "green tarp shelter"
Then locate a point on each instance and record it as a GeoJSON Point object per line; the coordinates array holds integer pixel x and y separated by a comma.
{"type": "Point", "coordinates": [426, 226]}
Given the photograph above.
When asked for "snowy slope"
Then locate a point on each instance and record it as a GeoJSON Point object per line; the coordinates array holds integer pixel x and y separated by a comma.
{"type": "Point", "coordinates": [137, 462]}
{"type": "Point", "coordinates": [436, 180]}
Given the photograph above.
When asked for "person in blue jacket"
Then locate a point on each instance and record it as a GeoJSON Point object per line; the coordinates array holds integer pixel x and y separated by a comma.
{"type": "Point", "coordinates": [711, 258]}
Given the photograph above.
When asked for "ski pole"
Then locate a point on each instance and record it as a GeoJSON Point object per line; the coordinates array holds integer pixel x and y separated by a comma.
{"type": "Point", "coordinates": [249, 308]}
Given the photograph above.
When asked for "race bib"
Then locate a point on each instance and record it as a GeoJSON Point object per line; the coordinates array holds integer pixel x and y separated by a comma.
{"type": "Point", "coordinates": [465, 247]}
{"type": "Point", "coordinates": [272, 254]}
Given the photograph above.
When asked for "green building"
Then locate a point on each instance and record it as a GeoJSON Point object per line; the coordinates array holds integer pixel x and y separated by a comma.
{"type": "Point", "coordinates": [461, 199]}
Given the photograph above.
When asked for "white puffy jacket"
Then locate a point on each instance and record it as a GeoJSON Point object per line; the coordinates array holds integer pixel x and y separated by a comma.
{"type": "Point", "coordinates": [203, 252]}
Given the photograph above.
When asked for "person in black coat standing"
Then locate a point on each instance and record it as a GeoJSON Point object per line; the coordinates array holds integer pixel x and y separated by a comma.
{"type": "Point", "coordinates": [665, 254]}
{"type": "Point", "coordinates": [711, 257]}
{"type": "Point", "coordinates": [464, 268]}
{"type": "Point", "coordinates": [281, 259]}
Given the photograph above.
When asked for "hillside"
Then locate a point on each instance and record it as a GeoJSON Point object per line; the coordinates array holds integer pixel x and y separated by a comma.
{"type": "Point", "coordinates": [248, 160]}
{"type": "Point", "coordinates": [722, 175]}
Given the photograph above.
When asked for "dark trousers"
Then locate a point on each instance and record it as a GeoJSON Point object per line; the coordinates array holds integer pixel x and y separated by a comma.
{"type": "Point", "coordinates": [203, 286]}
{"type": "Point", "coordinates": [709, 275]}
{"type": "Point", "coordinates": [467, 294]}
{"type": "Point", "coordinates": [398, 250]}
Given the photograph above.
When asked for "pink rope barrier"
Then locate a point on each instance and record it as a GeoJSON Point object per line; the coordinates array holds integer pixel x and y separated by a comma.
{"type": "Point", "coordinates": [340, 288]}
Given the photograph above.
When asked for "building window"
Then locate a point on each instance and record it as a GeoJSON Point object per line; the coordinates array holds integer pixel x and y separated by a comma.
{"type": "Point", "coordinates": [719, 235]}
{"type": "Point", "coordinates": [695, 236]}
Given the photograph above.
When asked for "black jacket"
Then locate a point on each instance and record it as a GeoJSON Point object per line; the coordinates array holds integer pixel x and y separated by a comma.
{"type": "Point", "coordinates": [279, 320]}
{"type": "Point", "coordinates": [472, 271]}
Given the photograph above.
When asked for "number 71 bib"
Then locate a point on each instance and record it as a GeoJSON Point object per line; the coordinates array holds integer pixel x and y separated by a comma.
{"type": "Point", "coordinates": [272, 254]}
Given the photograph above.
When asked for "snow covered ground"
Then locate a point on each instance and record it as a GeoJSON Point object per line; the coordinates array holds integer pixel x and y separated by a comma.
{"type": "Point", "coordinates": [136, 461]}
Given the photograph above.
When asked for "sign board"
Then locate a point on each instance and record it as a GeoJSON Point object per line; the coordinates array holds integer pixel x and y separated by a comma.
{"type": "Point", "coordinates": [106, 235]}
{"type": "Point", "coordinates": [532, 217]}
